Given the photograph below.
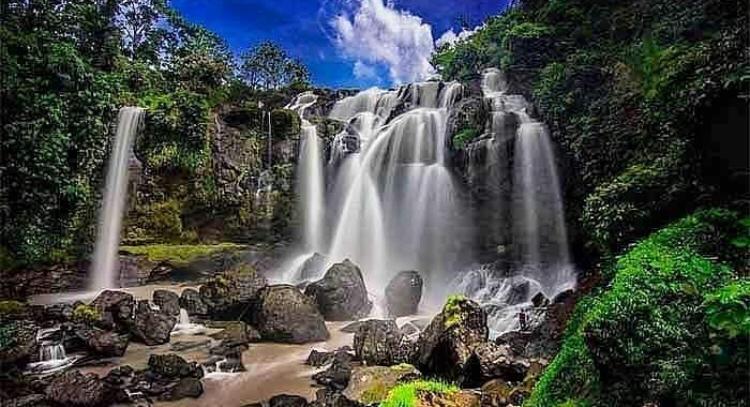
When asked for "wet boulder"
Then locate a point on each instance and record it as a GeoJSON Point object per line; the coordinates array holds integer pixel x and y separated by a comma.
{"type": "Point", "coordinates": [338, 373]}
{"type": "Point", "coordinates": [168, 302]}
{"type": "Point", "coordinates": [18, 341]}
{"type": "Point", "coordinates": [313, 267]}
{"type": "Point", "coordinates": [445, 348]}
{"type": "Point", "coordinates": [152, 326]}
{"type": "Point", "coordinates": [103, 343]}
{"type": "Point", "coordinates": [117, 306]}
{"type": "Point", "coordinates": [381, 342]}
{"type": "Point", "coordinates": [493, 361]}
{"type": "Point", "coordinates": [191, 301]}
{"type": "Point", "coordinates": [371, 384]}
{"type": "Point", "coordinates": [172, 366]}
{"type": "Point", "coordinates": [235, 332]}
{"type": "Point", "coordinates": [285, 314]}
{"type": "Point", "coordinates": [519, 292]}
{"type": "Point", "coordinates": [341, 294]}
{"type": "Point", "coordinates": [78, 390]}
{"type": "Point", "coordinates": [229, 295]}
{"type": "Point", "coordinates": [286, 400]}
{"type": "Point", "coordinates": [186, 387]}
{"type": "Point", "coordinates": [403, 293]}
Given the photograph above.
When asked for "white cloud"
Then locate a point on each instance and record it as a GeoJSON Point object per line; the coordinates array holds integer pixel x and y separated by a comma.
{"type": "Point", "coordinates": [377, 33]}
{"type": "Point", "coordinates": [450, 37]}
{"type": "Point", "coordinates": [364, 71]}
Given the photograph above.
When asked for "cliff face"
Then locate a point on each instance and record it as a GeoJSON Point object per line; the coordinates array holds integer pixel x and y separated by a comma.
{"type": "Point", "coordinates": [243, 189]}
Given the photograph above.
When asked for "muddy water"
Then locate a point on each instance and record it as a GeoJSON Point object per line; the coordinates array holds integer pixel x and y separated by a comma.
{"type": "Point", "coordinates": [272, 369]}
{"type": "Point", "coordinates": [144, 292]}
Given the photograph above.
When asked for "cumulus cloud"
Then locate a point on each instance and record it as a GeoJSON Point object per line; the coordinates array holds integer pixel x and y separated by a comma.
{"type": "Point", "coordinates": [450, 37]}
{"type": "Point", "coordinates": [364, 71]}
{"type": "Point", "coordinates": [376, 33]}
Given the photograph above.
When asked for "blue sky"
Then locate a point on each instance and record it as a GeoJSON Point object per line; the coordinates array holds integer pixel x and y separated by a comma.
{"type": "Point", "coordinates": [345, 43]}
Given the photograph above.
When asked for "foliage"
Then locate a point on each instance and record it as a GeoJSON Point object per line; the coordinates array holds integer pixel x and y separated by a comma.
{"type": "Point", "coordinates": [646, 338]}
{"type": "Point", "coordinates": [452, 310]}
{"type": "Point", "coordinates": [728, 309]}
{"type": "Point", "coordinates": [86, 314]}
{"type": "Point", "coordinates": [178, 253]}
{"type": "Point", "coordinates": [463, 137]}
{"type": "Point", "coordinates": [11, 310]}
{"type": "Point", "coordinates": [267, 66]}
{"type": "Point", "coordinates": [406, 394]}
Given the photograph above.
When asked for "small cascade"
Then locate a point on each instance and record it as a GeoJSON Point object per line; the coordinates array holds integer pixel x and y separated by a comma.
{"type": "Point", "coordinates": [52, 355]}
{"type": "Point", "coordinates": [185, 327]}
{"type": "Point", "coordinates": [104, 269]}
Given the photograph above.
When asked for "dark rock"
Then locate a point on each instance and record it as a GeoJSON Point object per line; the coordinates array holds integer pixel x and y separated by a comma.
{"type": "Point", "coordinates": [495, 393]}
{"type": "Point", "coordinates": [332, 398]}
{"type": "Point", "coordinates": [103, 343]}
{"type": "Point", "coordinates": [495, 361]}
{"type": "Point", "coordinates": [563, 297]}
{"type": "Point", "coordinates": [519, 292]}
{"type": "Point", "coordinates": [31, 400]}
{"type": "Point", "coordinates": [237, 333]}
{"type": "Point", "coordinates": [191, 301]}
{"type": "Point", "coordinates": [341, 294]}
{"type": "Point", "coordinates": [168, 302]}
{"type": "Point", "coordinates": [447, 345]}
{"type": "Point", "coordinates": [380, 342]}
{"type": "Point", "coordinates": [318, 358]}
{"type": "Point", "coordinates": [539, 300]}
{"type": "Point", "coordinates": [516, 340]}
{"type": "Point", "coordinates": [352, 327]}
{"type": "Point", "coordinates": [403, 293]}
{"type": "Point", "coordinates": [19, 342]}
{"type": "Point", "coordinates": [187, 387]}
{"type": "Point", "coordinates": [77, 390]}
{"type": "Point", "coordinates": [284, 314]}
{"type": "Point", "coordinates": [152, 327]}
{"type": "Point", "coordinates": [286, 400]}
{"type": "Point", "coordinates": [338, 374]}
{"type": "Point", "coordinates": [313, 267]}
{"type": "Point", "coordinates": [172, 366]}
{"type": "Point", "coordinates": [230, 295]}
{"type": "Point", "coordinates": [118, 305]}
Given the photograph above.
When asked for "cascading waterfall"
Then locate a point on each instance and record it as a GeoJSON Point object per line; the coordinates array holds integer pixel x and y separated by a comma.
{"type": "Point", "coordinates": [104, 270]}
{"type": "Point", "coordinates": [52, 355]}
{"type": "Point", "coordinates": [525, 210]}
{"type": "Point", "coordinates": [391, 195]}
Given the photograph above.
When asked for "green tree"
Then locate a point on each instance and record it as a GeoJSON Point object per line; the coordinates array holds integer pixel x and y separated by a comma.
{"type": "Point", "coordinates": [267, 66]}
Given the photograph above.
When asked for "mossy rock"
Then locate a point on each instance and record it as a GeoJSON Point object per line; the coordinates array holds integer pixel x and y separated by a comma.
{"type": "Point", "coordinates": [10, 310]}
{"type": "Point", "coordinates": [420, 392]}
{"type": "Point", "coordinates": [372, 384]}
{"type": "Point", "coordinates": [179, 254]}
{"type": "Point", "coordinates": [86, 314]}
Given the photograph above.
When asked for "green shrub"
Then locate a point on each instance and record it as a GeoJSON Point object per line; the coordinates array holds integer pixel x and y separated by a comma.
{"type": "Point", "coordinates": [464, 137]}
{"type": "Point", "coordinates": [86, 314]}
{"type": "Point", "coordinates": [647, 338]}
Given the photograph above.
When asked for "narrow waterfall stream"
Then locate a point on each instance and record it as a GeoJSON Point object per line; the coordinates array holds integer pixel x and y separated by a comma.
{"type": "Point", "coordinates": [104, 270]}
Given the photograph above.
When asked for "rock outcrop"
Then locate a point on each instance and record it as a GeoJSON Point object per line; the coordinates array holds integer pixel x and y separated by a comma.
{"type": "Point", "coordinates": [341, 295]}
{"type": "Point", "coordinates": [152, 326]}
{"type": "Point", "coordinates": [381, 342]}
{"type": "Point", "coordinates": [229, 295]}
{"type": "Point", "coordinates": [285, 314]}
{"type": "Point", "coordinates": [191, 301]}
{"type": "Point", "coordinates": [403, 293]}
{"type": "Point", "coordinates": [75, 389]}
{"type": "Point", "coordinates": [168, 302]}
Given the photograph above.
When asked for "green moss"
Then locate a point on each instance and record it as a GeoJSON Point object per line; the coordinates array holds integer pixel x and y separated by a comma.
{"type": "Point", "coordinates": [464, 137]}
{"type": "Point", "coordinates": [178, 253]}
{"type": "Point", "coordinates": [647, 337]}
{"type": "Point", "coordinates": [452, 310]}
{"type": "Point", "coordinates": [11, 309]}
{"type": "Point", "coordinates": [86, 314]}
{"type": "Point", "coordinates": [406, 394]}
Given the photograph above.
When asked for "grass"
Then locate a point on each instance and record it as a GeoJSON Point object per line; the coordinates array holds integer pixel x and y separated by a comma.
{"type": "Point", "coordinates": [178, 253]}
{"type": "Point", "coordinates": [406, 394]}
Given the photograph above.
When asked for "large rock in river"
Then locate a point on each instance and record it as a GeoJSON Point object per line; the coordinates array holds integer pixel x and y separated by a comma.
{"type": "Point", "coordinates": [191, 301]}
{"type": "Point", "coordinates": [152, 326]}
{"type": "Point", "coordinates": [446, 347]}
{"type": "Point", "coordinates": [285, 314]}
{"type": "Point", "coordinates": [168, 301]}
{"type": "Point", "coordinates": [381, 342]}
{"type": "Point", "coordinates": [341, 294]}
{"type": "Point", "coordinates": [403, 293]}
{"type": "Point", "coordinates": [77, 390]}
{"type": "Point", "coordinates": [229, 295]}
{"type": "Point", "coordinates": [116, 306]}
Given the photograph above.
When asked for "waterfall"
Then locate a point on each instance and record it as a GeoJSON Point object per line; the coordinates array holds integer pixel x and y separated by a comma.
{"type": "Point", "coordinates": [104, 271]}
{"type": "Point", "coordinates": [391, 195]}
{"type": "Point", "coordinates": [52, 355]}
{"type": "Point", "coordinates": [310, 176]}
{"type": "Point", "coordinates": [185, 327]}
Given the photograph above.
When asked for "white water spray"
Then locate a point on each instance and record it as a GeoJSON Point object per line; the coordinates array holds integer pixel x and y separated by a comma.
{"type": "Point", "coordinates": [103, 273]}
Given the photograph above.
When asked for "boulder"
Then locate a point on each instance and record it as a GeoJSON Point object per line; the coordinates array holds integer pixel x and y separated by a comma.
{"type": "Point", "coordinates": [519, 292]}
{"type": "Point", "coordinates": [152, 326]}
{"type": "Point", "coordinates": [496, 392]}
{"type": "Point", "coordinates": [403, 293]}
{"type": "Point", "coordinates": [77, 390]}
{"type": "Point", "coordinates": [493, 361]}
{"type": "Point", "coordinates": [313, 267]}
{"type": "Point", "coordinates": [332, 398]}
{"type": "Point", "coordinates": [338, 374]}
{"type": "Point", "coordinates": [285, 314]}
{"type": "Point", "coordinates": [286, 400]}
{"type": "Point", "coordinates": [230, 295]}
{"type": "Point", "coordinates": [445, 348]}
{"type": "Point", "coordinates": [18, 341]}
{"type": "Point", "coordinates": [186, 387]}
{"type": "Point", "coordinates": [380, 342]}
{"type": "Point", "coordinates": [236, 333]}
{"type": "Point", "coordinates": [172, 366]}
{"type": "Point", "coordinates": [318, 358]}
{"type": "Point", "coordinates": [191, 301]}
{"type": "Point", "coordinates": [103, 343]}
{"type": "Point", "coordinates": [168, 302]}
{"type": "Point", "coordinates": [118, 305]}
{"type": "Point", "coordinates": [371, 384]}
{"type": "Point", "coordinates": [341, 294]}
